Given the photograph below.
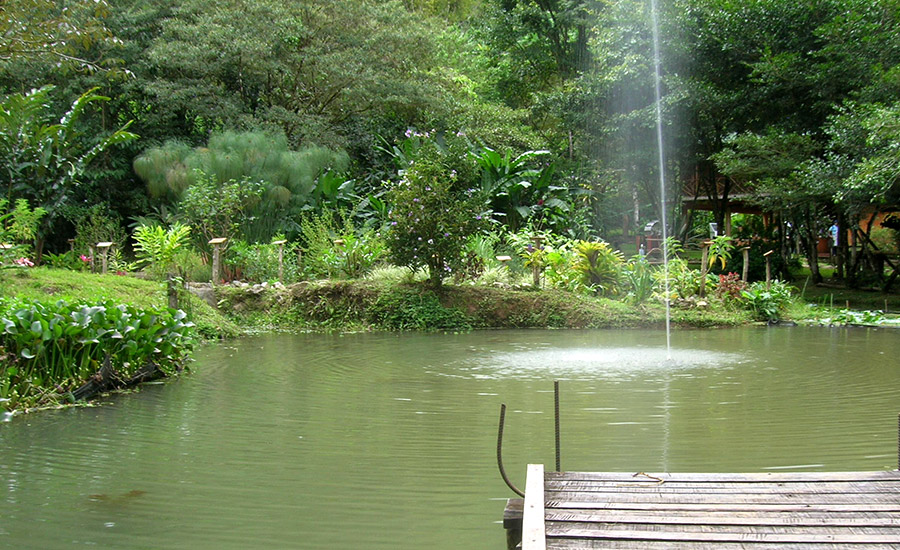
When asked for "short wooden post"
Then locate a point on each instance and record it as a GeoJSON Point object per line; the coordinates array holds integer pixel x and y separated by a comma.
{"type": "Point", "coordinates": [536, 267]}
{"type": "Point", "coordinates": [280, 259]}
{"type": "Point", "coordinates": [4, 247]}
{"type": "Point", "coordinates": [704, 267]}
{"type": "Point", "coordinates": [104, 255]}
{"type": "Point", "coordinates": [216, 259]}
{"type": "Point", "coordinates": [71, 245]}
{"type": "Point", "coordinates": [172, 291]}
{"type": "Point", "coordinates": [746, 272]}
{"type": "Point", "coordinates": [91, 253]}
{"type": "Point", "coordinates": [768, 256]}
{"type": "Point", "coordinates": [512, 522]}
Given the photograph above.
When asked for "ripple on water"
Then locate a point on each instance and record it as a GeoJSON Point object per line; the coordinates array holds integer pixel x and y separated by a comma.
{"type": "Point", "coordinates": [592, 363]}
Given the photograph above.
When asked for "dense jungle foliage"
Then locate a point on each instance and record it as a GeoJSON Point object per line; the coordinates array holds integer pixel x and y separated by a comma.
{"type": "Point", "coordinates": [249, 119]}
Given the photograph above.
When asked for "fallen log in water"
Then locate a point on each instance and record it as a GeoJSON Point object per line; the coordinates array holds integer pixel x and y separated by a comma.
{"type": "Point", "coordinates": [107, 379]}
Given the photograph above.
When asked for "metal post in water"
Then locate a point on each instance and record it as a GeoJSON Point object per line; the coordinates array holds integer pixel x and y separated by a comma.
{"type": "Point", "coordinates": [500, 452]}
{"type": "Point", "coordinates": [556, 417]}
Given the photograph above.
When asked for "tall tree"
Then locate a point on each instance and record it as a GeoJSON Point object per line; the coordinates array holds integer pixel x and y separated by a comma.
{"type": "Point", "coordinates": [45, 161]}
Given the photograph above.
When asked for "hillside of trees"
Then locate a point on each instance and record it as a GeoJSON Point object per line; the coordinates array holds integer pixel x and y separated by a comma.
{"type": "Point", "coordinates": [257, 119]}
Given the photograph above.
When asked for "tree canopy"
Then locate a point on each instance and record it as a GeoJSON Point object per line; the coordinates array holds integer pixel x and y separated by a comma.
{"type": "Point", "coordinates": [776, 95]}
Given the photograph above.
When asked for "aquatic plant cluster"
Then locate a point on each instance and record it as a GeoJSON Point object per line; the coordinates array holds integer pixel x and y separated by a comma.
{"type": "Point", "coordinates": [47, 350]}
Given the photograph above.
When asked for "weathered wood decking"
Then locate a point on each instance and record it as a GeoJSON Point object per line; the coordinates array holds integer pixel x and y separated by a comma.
{"type": "Point", "coordinates": [857, 510]}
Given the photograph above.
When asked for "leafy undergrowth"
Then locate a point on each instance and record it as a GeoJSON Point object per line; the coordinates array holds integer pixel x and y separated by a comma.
{"type": "Point", "coordinates": [368, 305]}
{"type": "Point", "coordinates": [59, 326]}
{"type": "Point", "coordinates": [50, 285]}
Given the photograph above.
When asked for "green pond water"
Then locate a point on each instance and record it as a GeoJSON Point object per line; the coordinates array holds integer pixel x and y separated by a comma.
{"type": "Point", "coordinates": [388, 441]}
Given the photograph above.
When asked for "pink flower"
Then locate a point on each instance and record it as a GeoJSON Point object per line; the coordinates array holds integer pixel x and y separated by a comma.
{"type": "Point", "coordinates": [24, 262]}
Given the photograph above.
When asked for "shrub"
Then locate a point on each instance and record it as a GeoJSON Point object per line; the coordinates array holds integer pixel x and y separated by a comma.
{"type": "Point", "coordinates": [156, 246]}
{"type": "Point", "coordinates": [259, 262]}
{"type": "Point", "coordinates": [730, 287]}
{"type": "Point", "coordinates": [683, 281]}
{"type": "Point", "coordinates": [218, 209]}
{"type": "Point", "coordinates": [599, 265]}
{"type": "Point", "coordinates": [479, 253]}
{"type": "Point", "coordinates": [334, 247]}
{"type": "Point", "coordinates": [18, 228]}
{"type": "Point", "coordinates": [767, 304]}
{"type": "Point", "coordinates": [434, 208]}
{"type": "Point", "coordinates": [638, 275]}
{"type": "Point", "coordinates": [97, 225]}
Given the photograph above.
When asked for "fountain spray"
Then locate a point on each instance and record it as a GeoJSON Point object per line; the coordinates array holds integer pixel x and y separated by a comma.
{"type": "Point", "coordinates": [662, 173]}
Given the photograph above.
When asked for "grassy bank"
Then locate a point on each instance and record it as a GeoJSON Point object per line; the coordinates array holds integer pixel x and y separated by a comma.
{"type": "Point", "coordinates": [361, 305]}
{"type": "Point", "coordinates": [379, 305]}
{"type": "Point", "coordinates": [50, 285]}
{"type": "Point", "coordinates": [66, 336]}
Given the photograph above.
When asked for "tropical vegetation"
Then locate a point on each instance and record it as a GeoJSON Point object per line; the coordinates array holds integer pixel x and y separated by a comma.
{"type": "Point", "coordinates": [502, 144]}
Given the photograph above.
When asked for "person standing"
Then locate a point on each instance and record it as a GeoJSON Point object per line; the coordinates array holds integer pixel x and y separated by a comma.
{"type": "Point", "coordinates": [834, 239]}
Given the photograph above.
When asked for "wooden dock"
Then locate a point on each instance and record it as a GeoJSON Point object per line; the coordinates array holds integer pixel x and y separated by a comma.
{"type": "Point", "coordinates": [857, 510]}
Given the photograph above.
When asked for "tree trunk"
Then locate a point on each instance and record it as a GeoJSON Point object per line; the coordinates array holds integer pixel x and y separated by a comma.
{"type": "Point", "coordinates": [811, 240]}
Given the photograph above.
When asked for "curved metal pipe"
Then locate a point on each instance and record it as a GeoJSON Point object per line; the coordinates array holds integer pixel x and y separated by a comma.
{"type": "Point", "coordinates": [500, 452]}
{"type": "Point", "coordinates": [556, 418]}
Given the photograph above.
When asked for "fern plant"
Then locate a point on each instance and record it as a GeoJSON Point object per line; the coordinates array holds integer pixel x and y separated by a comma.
{"type": "Point", "coordinates": [156, 246]}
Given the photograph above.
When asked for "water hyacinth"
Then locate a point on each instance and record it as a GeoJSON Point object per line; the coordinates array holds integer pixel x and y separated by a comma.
{"type": "Point", "coordinates": [62, 345]}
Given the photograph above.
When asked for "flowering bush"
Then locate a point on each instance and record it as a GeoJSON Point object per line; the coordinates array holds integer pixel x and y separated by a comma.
{"type": "Point", "coordinates": [730, 287]}
{"type": "Point", "coordinates": [434, 208]}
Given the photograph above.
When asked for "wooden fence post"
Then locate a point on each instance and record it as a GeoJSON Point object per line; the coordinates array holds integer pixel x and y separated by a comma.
{"type": "Point", "coordinates": [768, 256]}
{"type": "Point", "coordinates": [704, 267]}
{"type": "Point", "coordinates": [172, 291]}
{"type": "Point", "coordinates": [104, 252]}
{"type": "Point", "coordinates": [746, 273]}
{"type": "Point", "coordinates": [216, 259]}
{"type": "Point", "coordinates": [280, 259]}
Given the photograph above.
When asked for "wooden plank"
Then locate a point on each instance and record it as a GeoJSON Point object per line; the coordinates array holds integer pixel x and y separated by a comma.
{"type": "Point", "coordinates": [724, 507]}
{"type": "Point", "coordinates": [690, 498]}
{"type": "Point", "coordinates": [561, 529]}
{"type": "Point", "coordinates": [512, 514]}
{"type": "Point", "coordinates": [771, 510]}
{"type": "Point", "coordinates": [583, 544]}
{"type": "Point", "coordinates": [696, 536]}
{"type": "Point", "coordinates": [723, 518]}
{"type": "Point", "coordinates": [533, 534]}
{"type": "Point", "coordinates": [857, 487]}
{"type": "Point", "coordinates": [764, 477]}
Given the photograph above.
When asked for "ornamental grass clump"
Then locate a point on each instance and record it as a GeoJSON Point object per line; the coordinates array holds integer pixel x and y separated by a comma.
{"type": "Point", "coordinates": [48, 350]}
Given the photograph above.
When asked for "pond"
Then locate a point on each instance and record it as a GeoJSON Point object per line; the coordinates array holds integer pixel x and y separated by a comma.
{"type": "Point", "coordinates": [386, 441]}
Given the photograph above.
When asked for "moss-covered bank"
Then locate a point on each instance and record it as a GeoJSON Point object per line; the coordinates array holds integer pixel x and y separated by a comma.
{"type": "Point", "coordinates": [365, 305]}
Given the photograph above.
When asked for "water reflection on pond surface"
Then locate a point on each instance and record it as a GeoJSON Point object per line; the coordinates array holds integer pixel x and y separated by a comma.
{"type": "Point", "coordinates": [388, 441]}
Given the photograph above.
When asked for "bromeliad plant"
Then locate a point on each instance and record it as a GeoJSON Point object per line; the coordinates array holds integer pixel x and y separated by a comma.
{"type": "Point", "coordinates": [638, 276]}
{"type": "Point", "coordinates": [51, 349]}
{"type": "Point", "coordinates": [600, 266]}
